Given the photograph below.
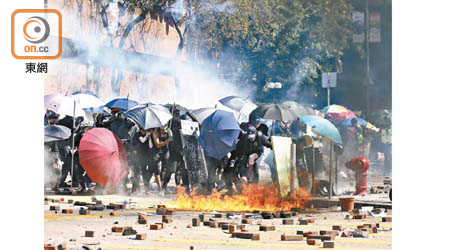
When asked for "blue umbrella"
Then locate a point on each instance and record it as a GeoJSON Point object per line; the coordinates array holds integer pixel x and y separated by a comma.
{"type": "Point", "coordinates": [348, 122]}
{"type": "Point", "coordinates": [219, 134]}
{"type": "Point", "coordinates": [323, 127]}
{"type": "Point", "coordinates": [121, 103]}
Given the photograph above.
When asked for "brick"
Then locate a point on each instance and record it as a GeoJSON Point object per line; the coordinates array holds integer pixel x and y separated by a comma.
{"type": "Point", "coordinates": [195, 222]}
{"type": "Point", "coordinates": [285, 214]}
{"type": "Point", "coordinates": [320, 237]}
{"type": "Point", "coordinates": [232, 228]}
{"type": "Point", "coordinates": [374, 230]}
{"type": "Point", "coordinates": [359, 216]}
{"type": "Point", "coordinates": [117, 229]}
{"type": "Point", "coordinates": [169, 212]}
{"type": "Point", "coordinates": [88, 233]}
{"type": "Point", "coordinates": [328, 244]}
{"type": "Point", "coordinates": [276, 215]}
{"type": "Point", "coordinates": [266, 228]}
{"type": "Point", "coordinates": [346, 234]}
{"type": "Point", "coordinates": [62, 199]}
{"type": "Point", "coordinates": [285, 237]}
{"type": "Point", "coordinates": [84, 212]}
{"type": "Point", "coordinates": [267, 216]}
{"type": "Point", "coordinates": [155, 227]}
{"type": "Point", "coordinates": [70, 201]}
{"type": "Point", "coordinates": [161, 211]}
{"type": "Point", "coordinates": [247, 221]}
{"type": "Point", "coordinates": [288, 222]}
{"type": "Point", "coordinates": [309, 233]}
{"type": "Point", "coordinates": [97, 202]}
{"type": "Point", "coordinates": [112, 214]}
{"type": "Point", "coordinates": [218, 215]}
{"type": "Point", "coordinates": [224, 226]}
{"type": "Point", "coordinates": [142, 217]}
{"type": "Point", "coordinates": [303, 222]}
{"type": "Point", "coordinates": [310, 220]}
{"type": "Point", "coordinates": [206, 223]}
{"type": "Point", "coordinates": [213, 224]}
{"type": "Point", "coordinates": [158, 223]}
{"type": "Point", "coordinates": [294, 214]}
{"type": "Point", "coordinates": [67, 211]}
{"type": "Point", "coordinates": [167, 220]}
{"type": "Point", "coordinates": [142, 221]}
{"type": "Point", "coordinates": [242, 227]}
{"type": "Point", "coordinates": [337, 227]}
{"type": "Point", "coordinates": [201, 217]}
{"type": "Point", "coordinates": [222, 223]}
{"type": "Point", "coordinates": [356, 211]}
{"type": "Point", "coordinates": [128, 231]}
{"type": "Point", "coordinates": [141, 236]}
{"type": "Point", "coordinates": [49, 247]}
{"type": "Point", "coordinates": [161, 206]}
{"type": "Point", "coordinates": [313, 242]}
{"type": "Point", "coordinates": [386, 219]}
{"type": "Point", "coordinates": [54, 208]}
{"type": "Point", "coordinates": [245, 235]}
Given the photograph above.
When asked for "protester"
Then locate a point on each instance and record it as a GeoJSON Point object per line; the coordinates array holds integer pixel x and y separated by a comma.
{"type": "Point", "coordinates": [386, 140]}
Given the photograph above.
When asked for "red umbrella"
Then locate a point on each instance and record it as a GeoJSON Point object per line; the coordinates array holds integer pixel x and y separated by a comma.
{"type": "Point", "coordinates": [342, 116]}
{"type": "Point", "coordinates": [103, 156]}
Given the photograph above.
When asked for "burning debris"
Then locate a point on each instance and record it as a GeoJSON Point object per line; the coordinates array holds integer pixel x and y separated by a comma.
{"type": "Point", "coordinates": [253, 197]}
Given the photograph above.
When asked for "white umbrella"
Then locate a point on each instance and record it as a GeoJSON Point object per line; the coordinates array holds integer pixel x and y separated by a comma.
{"type": "Point", "coordinates": [64, 105]}
{"type": "Point", "coordinates": [88, 101]}
{"type": "Point", "coordinates": [202, 113]}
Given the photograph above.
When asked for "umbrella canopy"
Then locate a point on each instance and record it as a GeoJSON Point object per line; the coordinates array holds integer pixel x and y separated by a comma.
{"type": "Point", "coordinates": [76, 92]}
{"type": "Point", "coordinates": [182, 111]}
{"type": "Point", "coordinates": [239, 104]}
{"type": "Point", "coordinates": [338, 117]}
{"type": "Point", "coordinates": [274, 112]}
{"type": "Point", "coordinates": [48, 98]}
{"type": "Point", "coordinates": [56, 133]}
{"type": "Point", "coordinates": [335, 109]}
{"type": "Point", "coordinates": [322, 127]}
{"type": "Point", "coordinates": [219, 134]}
{"type": "Point", "coordinates": [121, 103]}
{"type": "Point", "coordinates": [103, 156]}
{"type": "Point", "coordinates": [87, 101]}
{"type": "Point", "coordinates": [203, 113]}
{"type": "Point", "coordinates": [149, 116]}
{"type": "Point", "coordinates": [361, 122]}
{"type": "Point", "coordinates": [299, 109]}
{"type": "Point", "coordinates": [64, 106]}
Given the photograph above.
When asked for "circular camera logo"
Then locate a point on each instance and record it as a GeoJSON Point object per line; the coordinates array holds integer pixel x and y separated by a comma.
{"type": "Point", "coordinates": [36, 29]}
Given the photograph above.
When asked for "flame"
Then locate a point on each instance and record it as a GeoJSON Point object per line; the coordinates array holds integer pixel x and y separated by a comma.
{"type": "Point", "coordinates": [253, 197]}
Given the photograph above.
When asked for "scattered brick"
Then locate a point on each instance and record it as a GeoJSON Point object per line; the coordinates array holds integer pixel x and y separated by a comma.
{"type": "Point", "coordinates": [201, 217]}
{"type": "Point", "coordinates": [218, 215]}
{"type": "Point", "coordinates": [206, 223]}
{"type": "Point", "coordinates": [285, 237]}
{"type": "Point", "coordinates": [213, 224]}
{"type": "Point", "coordinates": [386, 219]}
{"type": "Point", "coordinates": [374, 230]}
{"type": "Point", "coordinates": [84, 212]}
{"type": "Point", "coordinates": [54, 208]}
{"type": "Point", "coordinates": [245, 235]}
{"type": "Point", "coordinates": [288, 222]}
{"type": "Point", "coordinates": [62, 199]}
{"type": "Point", "coordinates": [313, 242]}
{"type": "Point", "coordinates": [70, 201]}
{"type": "Point", "coordinates": [294, 214]}
{"type": "Point", "coordinates": [267, 216]}
{"type": "Point", "coordinates": [112, 214]}
{"type": "Point", "coordinates": [129, 231]}
{"type": "Point", "coordinates": [141, 236]}
{"type": "Point", "coordinates": [167, 219]}
{"type": "Point", "coordinates": [232, 228]}
{"type": "Point", "coordinates": [247, 221]}
{"type": "Point", "coordinates": [158, 223]}
{"type": "Point", "coordinates": [161, 211]}
{"type": "Point", "coordinates": [49, 247]}
{"type": "Point", "coordinates": [303, 222]}
{"type": "Point", "coordinates": [142, 221]}
{"type": "Point", "coordinates": [98, 202]}
{"type": "Point", "coordinates": [155, 227]}
{"type": "Point", "coordinates": [67, 211]}
{"type": "Point", "coordinates": [346, 234]}
{"type": "Point", "coordinates": [89, 233]}
{"type": "Point", "coordinates": [285, 214]}
{"type": "Point", "coordinates": [356, 211]}
{"type": "Point", "coordinates": [276, 215]}
{"type": "Point", "coordinates": [266, 228]}
{"type": "Point", "coordinates": [117, 229]}
{"type": "Point", "coordinates": [222, 223]}
{"type": "Point", "coordinates": [328, 244]}
{"type": "Point", "coordinates": [359, 216]}
{"type": "Point", "coordinates": [195, 222]}
{"type": "Point", "coordinates": [310, 220]}
{"type": "Point", "coordinates": [161, 206]}
{"type": "Point", "coordinates": [337, 227]}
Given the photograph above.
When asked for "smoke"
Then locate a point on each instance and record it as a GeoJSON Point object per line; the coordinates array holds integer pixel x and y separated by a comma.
{"type": "Point", "coordinates": [188, 83]}
{"type": "Point", "coordinates": [51, 168]}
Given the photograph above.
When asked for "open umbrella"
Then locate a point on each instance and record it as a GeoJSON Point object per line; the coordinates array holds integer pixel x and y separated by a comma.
{"type": "Point", "coordinates": [219, 134]}
{"type": "Point", "coordinates": [88, 101]}
{"type": "Point", "coordinates": [103, 156]}
{"type": "Point", "coordinates": [56, 133]}
{"type": "Point", "coordinates": [121, 103]}
{"type": "Point", "coordinates": [149, 116]}
{"type": "Point", "coordinates": [362, 122]}
{"type": "Point", "coordinates": [274, 112]}
{"type": "Point", "coordinates": [239, 104]}
{"type": "Point", "coordinates": [322, 127]}
{"type": "Point", "coordinates": [335, 109]}
{"type": "Point", "coordinates": [202, 113]}
{"type": "Point", "coordinates": [64, 106]}
{"type": "Point", "coordinates": [182, 111]}
{"type": "Point", "coordinates": [76, 92]}
{"type": "Point", "coordinates": [299, 109]}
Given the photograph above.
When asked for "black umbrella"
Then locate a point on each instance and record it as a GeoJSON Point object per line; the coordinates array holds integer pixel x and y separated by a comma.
{"type": "Point", "coordinates": [274, 112]}
{"type": "Point", "coordinates": [149, 115]}
{"type": "Point", "coordinates": [180, 111]}
{"type": "Point", "coordinates": [56, 133]}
